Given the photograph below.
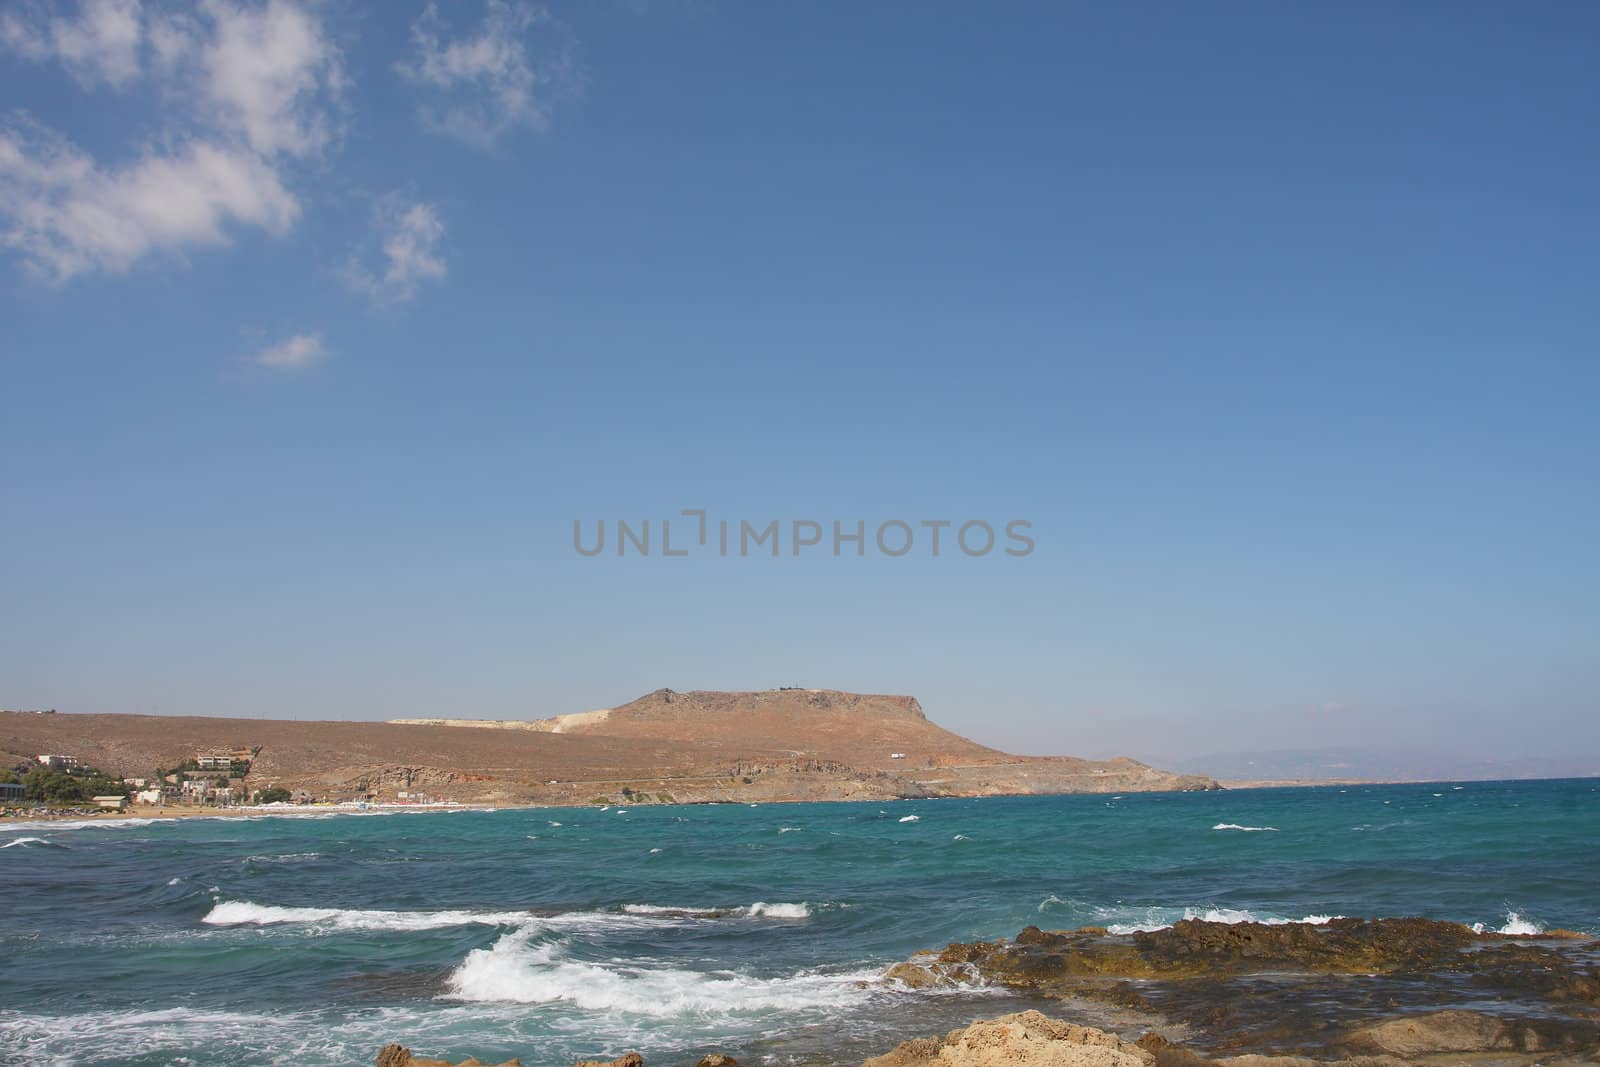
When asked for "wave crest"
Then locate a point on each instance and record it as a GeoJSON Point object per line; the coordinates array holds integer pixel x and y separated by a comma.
{"type": "Point", "coordinates": [518, 970]}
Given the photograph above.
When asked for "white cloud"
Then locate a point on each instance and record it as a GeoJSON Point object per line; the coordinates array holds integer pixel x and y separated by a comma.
{"type": "Point", "coordinates": [65, 214]}
{"type": "Point", "coordinates": [263, 69]}
{"type": "Point", "coordinates": [100, 44]}
{"type": "Point", "coordinates": [256, 86]}
{"type": "Point", "coordinates": [292, 353]}
{"type": "Point", "coordinates": [409, 236]}
{"type": "Point", "coordinates": [486, 82]}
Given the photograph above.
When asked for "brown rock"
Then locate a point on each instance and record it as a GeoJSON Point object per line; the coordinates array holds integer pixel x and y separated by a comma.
{"type": "Point", "coordinates": [717, 1059]}
{"type": "Point", "coordinates": [396, 1055]}
{"type": "Point", "coordinates": [1472, 1031]}
{"type": "Point", "coordinates": [628, 1059]}
{"type": "Point", "coordinates": [1025, 1039]}
{"type": "Point", "coordinates": [912, 975]}
{"type": "Point", "coordinates": [1052, 961]}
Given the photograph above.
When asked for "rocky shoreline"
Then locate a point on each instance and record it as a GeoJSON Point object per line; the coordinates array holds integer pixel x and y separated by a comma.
{"type": "Point", "coordinates": [1360, 992]}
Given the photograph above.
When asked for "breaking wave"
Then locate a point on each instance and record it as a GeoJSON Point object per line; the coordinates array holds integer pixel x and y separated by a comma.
{"type": "Point", "coordinates": [1516, 923]}
{"type": "Point", "coordinates": [248, 913]}
{"type": "Point", "coordinates": [517, 970]}
{"type": "Point", "coordinates": [759, 910]}
{"type": "Point", "coordinates": [245, 913]}
{"type": "Point", "coordinates": [1246, 829]}
{"type": "Point", "coordinates": [27, 842]}
{"type": "Point", "coordinates": [1136, 920]}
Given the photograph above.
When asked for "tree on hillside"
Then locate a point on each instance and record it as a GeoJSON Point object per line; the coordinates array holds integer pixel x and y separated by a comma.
{"type": "Point", "coordinates": [53, 786]}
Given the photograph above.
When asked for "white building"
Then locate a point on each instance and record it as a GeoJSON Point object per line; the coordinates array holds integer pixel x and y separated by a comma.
{"type": "Point", "coordinates": [62, 763]}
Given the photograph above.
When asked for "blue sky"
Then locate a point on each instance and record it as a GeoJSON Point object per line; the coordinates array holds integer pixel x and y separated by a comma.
{"type": "Point", "coordinates": [323, 322]}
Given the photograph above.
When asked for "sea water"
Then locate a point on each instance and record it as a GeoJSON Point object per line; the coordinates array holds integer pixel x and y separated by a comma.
{"type": "Point", "coordinates": [554, 934]}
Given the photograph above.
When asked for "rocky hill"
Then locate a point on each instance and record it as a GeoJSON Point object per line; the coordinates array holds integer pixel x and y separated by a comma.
{"type": "Point", "coordinates": [773, 745]}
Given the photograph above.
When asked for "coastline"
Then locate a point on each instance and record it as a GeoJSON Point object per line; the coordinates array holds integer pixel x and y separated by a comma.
{"type": "Point", "coordinates": [1359, 992]}
{"type": "Point", "coordinates": [755, 931]}
{"type": "Point", "coordinates": [157, 813]}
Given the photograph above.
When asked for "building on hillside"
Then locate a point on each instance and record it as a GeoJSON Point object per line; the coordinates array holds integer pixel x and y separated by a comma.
{"type": "Point", "coordinates": [198, 790]}
{"type": "Point", "coordinates": [117, 802]}
{"type": "Point", "coordinates": [136, 783]}
{"type": "Point", "coordinates": [214, 761]}
{"type": "Point", "coordinates": [12, 791]}
{"type": "Point", "coordinates": [148, 796]}
{"type": "Point", "coordinates": [62, 763]}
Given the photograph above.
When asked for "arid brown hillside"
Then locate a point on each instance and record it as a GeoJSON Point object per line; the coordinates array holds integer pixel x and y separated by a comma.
{"type": "Point", "coordinates": [865, 730]}
{"type": "Point", "coordinates": [788, 744]}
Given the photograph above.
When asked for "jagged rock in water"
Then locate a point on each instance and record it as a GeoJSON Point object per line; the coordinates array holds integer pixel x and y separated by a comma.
{"type": "Point", "coordinates": [397, 1055]}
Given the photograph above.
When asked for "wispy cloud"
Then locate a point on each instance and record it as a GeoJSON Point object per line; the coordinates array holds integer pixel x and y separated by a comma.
{"type": "Point", "coordinates": [67, 214]}
{"type": "Point", "coordinates": [292, 353]}
{"type": "Point", "coordinates": [486, 82]}
{"type": "Point", "coordinates": [260, 86]}
{"type": "Point", "coordinates": [408, 235]}
{"type": "Point", "coordinates": [100, 44]}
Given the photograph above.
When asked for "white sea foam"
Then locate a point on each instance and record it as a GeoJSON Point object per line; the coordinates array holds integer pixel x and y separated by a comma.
{"type": "Point", "coordinates": [1125, 919]}
{"type": "Point", "coordinates": [1246, 829]}
{"type": "Point", "coordinates": [961, 837]}
{"type": "Point", "coordinates": [759, 910]}
{"type": "Point", "coordinates": [245, 913]}
{"type": "Point", "coordinates": [110, 823]}
{"type": "Point", "coordinates": [660, 909]}
{"type": "Point", "coordinates": [518, 969]}
{"type": "Point", "coordinates": [1160, 919]}
{"type": "Point", "coordinates": [24, 842]}
{"type": "Point", "coordinates": [1516, 923]}
{"type": "Point", "coordinates": [789, 829]}
{"type": "Point", "coordinates": [910, 818]}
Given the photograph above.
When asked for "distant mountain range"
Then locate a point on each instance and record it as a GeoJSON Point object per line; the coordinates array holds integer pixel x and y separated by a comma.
{"type": "Point", "coordinates": [1381, 764]}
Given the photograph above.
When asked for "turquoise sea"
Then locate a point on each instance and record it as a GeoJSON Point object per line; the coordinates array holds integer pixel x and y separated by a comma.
{"type": "Point", "coordinates": [675, 930]}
